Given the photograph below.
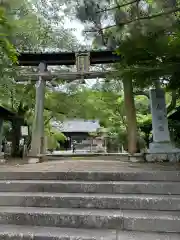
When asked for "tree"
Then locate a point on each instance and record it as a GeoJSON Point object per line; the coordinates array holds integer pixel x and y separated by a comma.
{"type": "Point", "coordinates": [8, 52]}
{"type": "Point", "coordinates": [31, 31]}
{"type": "Point", "coordinates": [145, 34]}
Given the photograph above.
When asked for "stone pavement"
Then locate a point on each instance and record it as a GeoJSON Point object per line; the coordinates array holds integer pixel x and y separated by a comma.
{"type": "Point", "coordinates": [76, 164]}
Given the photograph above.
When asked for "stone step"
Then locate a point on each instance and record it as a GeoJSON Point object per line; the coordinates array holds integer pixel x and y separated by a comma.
{"type": "Point", "coordinates": [171, 176]}
{"type": "Point", "coordinates": [146, 221]}
{"type": "Point", "coordinates": [14, 232]}
{"type": "Point", "coordinates": [93, 201]}
{"type": "Point", "coordinates": [128, 187]}
{"type": "Point", "coordinates": [132, 235]}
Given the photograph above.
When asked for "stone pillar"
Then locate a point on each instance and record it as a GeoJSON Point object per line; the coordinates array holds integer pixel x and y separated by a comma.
{"type": "Point", "coordinates": [38, 123]}
{"type": "Point", "coordinates": [161, 137]}
{"type": "Point", "coordinates": [161, 146]}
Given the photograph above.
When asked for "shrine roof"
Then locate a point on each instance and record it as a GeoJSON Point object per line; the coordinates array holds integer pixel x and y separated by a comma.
{"type": "Point", "coordinates": [77, 125]}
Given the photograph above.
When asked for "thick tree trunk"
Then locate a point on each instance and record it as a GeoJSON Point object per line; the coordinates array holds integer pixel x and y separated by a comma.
{"type": "Point", "coordinates": [130, 115]}
{"type": "Point", "coordinates": [16, 135]}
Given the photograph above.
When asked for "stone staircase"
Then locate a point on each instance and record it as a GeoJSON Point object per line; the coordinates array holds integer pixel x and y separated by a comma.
{"type": "Point", "coordinates": [90, 205]}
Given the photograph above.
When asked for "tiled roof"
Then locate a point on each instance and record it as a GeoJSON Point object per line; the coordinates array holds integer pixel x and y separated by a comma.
{"type": "Point", "coordinates": [77, 125]}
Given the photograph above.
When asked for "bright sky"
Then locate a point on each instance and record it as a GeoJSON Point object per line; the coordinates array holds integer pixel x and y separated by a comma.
{"type": "Point", "coordinates": [73, 24]}
{"type": "Point", "coordinates": [78, 28]}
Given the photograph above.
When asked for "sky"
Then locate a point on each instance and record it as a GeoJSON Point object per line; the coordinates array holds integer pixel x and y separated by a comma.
{"type": "Point", "coordinates": [78, 29]}
{"type": "Point", "coordinates": [77, 26]}
{"type": "Point", "coordinates": [73, 24]}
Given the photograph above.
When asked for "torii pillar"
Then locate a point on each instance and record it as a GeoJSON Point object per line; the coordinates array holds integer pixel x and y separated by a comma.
{"type": "Point", "coordinates": [37, 142]}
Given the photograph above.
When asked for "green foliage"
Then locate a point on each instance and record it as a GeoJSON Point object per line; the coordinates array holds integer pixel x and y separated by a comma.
{"type": "Point", "coordinates": [148, 47]}
{"type": "Point", "coordinates": [53, 139]}
{"type": "Point", "coordinates": [174, 126]}
{"type": "Point", "coordinates": [25, 26]}
{"type": "Point", "coordinates": [30, 31]}
{"type": "Point", "coordinates": [8, 52]}
{"type": "Point", "coordinates": [147, 39]}
{"type": "Point", "coordinates": [107, 106]}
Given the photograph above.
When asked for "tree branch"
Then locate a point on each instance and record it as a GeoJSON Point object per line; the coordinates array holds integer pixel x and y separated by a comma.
{"type": "Point", "coordinates": [47, 121]}
{"type": "Point", "coordinates": [12, 99]}
{"type": "Point", "coordinates": [172, 105]}
{"type": "Point", "coordinates": [174, 10]}
{"type": "Point", "coordinates": [117, 6]}
{"type": "Point", "coordinates": [142, 93]}
{"type": "Point", "coordinates": [48, 109]}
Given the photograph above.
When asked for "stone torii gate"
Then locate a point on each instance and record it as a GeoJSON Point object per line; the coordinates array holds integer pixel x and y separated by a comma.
{"type": "Point", "coordinates": [82, 60]}
{"type": "Point", "coordinates": [161, 138]}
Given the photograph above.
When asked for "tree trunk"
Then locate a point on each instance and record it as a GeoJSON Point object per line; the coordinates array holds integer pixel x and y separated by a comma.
{"type": "Point", "coordinates": [16, 135]}
{"type": "Point", "coordinates": [130, 115]}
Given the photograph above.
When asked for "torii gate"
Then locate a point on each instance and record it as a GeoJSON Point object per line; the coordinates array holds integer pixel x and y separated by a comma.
{"type": "Point", "coordinates": [82, 60]}
{"type": "Point", "coordinates": [161, 138]}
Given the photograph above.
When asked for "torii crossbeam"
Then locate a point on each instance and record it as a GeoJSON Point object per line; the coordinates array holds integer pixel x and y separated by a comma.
{"type": "Point", "coordinates": [66, 58]}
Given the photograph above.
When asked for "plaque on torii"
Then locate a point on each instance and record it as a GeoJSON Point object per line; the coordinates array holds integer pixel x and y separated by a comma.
{"type": "Point", "coordinates": [82, 63]}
